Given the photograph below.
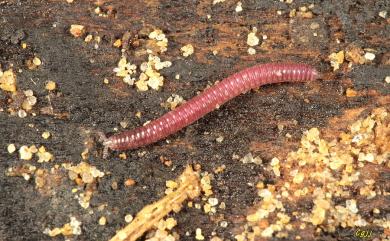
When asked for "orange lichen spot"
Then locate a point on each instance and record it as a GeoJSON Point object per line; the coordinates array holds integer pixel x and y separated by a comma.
{"type": "Point", "coordinates": [77, 30]}
{"type": "Point", "coordinates": [173, 101]}
{"type": "Point", "coordinates": [50, 85]}
{"type": "Point", "coordinates": [8, 80]}
{"type": "Point", "coordinates": [324, 171]}
{"type": "Point", "coordinates": [117, 43]}
{"type": "Point", "coordinates": [355, 54]}
{"type": "Point", "coordinates": [129, 182]}
{"type": "Point", "coordinates": [68, 229]}
{"type": "Point", "coordinates": [351, 92]}
{"type": "Point", "coordinates": [187, 50]}
{"type": "Point", "coordinates": [336, 59]}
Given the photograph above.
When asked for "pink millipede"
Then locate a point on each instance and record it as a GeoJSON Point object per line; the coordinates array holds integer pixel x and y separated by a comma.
{"type": "Point", "coordinates": [207, 101]}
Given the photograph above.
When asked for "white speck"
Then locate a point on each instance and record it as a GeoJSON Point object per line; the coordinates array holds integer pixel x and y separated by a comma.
{"type": "Point", "coordinates": [387, 79]}
{"type": "Point", "coordinates": [239, 7]}
{"type": "Point", "coordinates": [128, 218]}
{"type": "Point", "coordinates": [224, 224]}
{"type": "Point", "coordinates": [75, 224]}
{"type": "Point", "coordinates": [257, 160]}
{"type": "Point", "coordinates": [369, 56]}
{"type": "Point", "coordinates": [247, 158]}
{"type": "Point", "coordinates": [22, 113]}
{"type": "Point", "coordinates": [235, 156]}
{"type": "Point", "coordinates": [267, 232]}
{"type": "Point", "coordinates": [382, 14]}
{"type": "Point", "coordinates": [275, 161]}
{"type": "Point", "coordinates": [218, 1]}
{"type": "Point", "coordinates": [351, 206]}
{"type": "Point", "coordinates": [213, 201]}
{"type": "Point", "coordinates": [252, 39]}
{"type": "Point", "coordinates": [360, 222]}
{"type": "Point", "coordinates": [26, 176]}
{"type": "Point", "coordinates": [251, 51]}
{"type": "Point", "coordinates": [28, 93]}
{"type": "Point", "coordinates": [219, 139]}
{"type": "Point", "coordinates": [11, 148]}
{"type": "Point", "coordinates": [199, 235]}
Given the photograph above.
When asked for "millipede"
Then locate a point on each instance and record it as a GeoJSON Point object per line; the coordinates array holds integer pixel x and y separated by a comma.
{"type": "Point", "coordinates": [208, 100]}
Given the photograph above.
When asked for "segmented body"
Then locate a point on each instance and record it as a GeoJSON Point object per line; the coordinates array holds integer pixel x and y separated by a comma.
{"type": "Point", "coordinates": [208, 100]}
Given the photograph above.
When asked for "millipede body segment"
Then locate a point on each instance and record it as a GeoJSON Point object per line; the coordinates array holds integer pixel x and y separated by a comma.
{"type": "Point", "coordinates": [210, 99]}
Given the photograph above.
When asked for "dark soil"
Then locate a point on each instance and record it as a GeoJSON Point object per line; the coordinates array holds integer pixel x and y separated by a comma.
{"type": "Point", "coordinates": [84, 105]}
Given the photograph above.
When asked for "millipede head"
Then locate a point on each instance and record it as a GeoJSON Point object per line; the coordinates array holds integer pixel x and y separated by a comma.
{"type": "Point", "coordinates": [106, 143]}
